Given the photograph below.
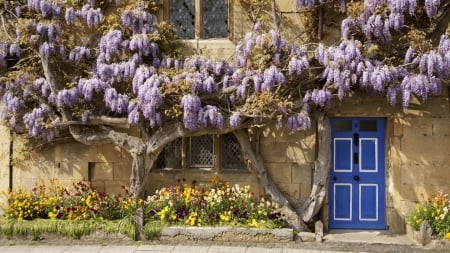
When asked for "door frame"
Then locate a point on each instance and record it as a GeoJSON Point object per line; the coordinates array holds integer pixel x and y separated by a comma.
{"type": "Point", "coordinates": [381, 189]}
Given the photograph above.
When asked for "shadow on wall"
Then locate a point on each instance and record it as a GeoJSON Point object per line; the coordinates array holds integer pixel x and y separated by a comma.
{"type": "Point", "coordinates": [104, 165]}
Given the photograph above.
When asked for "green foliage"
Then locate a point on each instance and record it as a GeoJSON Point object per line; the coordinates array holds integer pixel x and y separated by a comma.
{"type": "Point", "coordinates": [56, 202]}
{"type": "Point", "coordinates": [435, 210]}
{"type": "Point", "coordinates": [215, 204]}
{"type": "Point", "coordinates": [36, 228]}
{"type": "Point", "coordinates": [82, 210]}
{"type": "Point", "coordinates": [152, 229]}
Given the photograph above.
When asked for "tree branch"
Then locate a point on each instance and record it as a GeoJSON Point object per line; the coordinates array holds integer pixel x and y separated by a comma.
{"type": "Point", "coordinates": [4, 28]}
{"type": "Point", "coordinates": [99, 120]}
{"type": "Point", "coordinates": [55, 84]}
{"type": "Point", "coordinates": [258, 167]}
{"type": "Point", "coordinates": [106, 135]}
{"type": "Point", "coordinates": [321, 172]}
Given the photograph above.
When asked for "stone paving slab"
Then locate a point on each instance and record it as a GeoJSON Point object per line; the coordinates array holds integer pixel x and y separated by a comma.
{"type": "Point", "coordinates": [118, 249]}
{"type": "Point", "coordinates": [263, 250]}
{"type": "Point", "coordinates": [155, 248]}
{"type": "Point", "coordinates": [227, 249]}
{"type": "Point", "coordinates": [189, 249]}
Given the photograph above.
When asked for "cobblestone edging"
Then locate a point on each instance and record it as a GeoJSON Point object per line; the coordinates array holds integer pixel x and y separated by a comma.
{"type": "Point", "coordinates": [227, 234]}
{"type": "Point", "coordinates": [176, 233]}
{"type": "Point", "coordinates": [424, 238]}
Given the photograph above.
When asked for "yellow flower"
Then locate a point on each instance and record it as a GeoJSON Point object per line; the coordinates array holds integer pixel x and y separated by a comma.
{"type": "Point", "coordinates": [51, 215]}
{"type": "Point", "coordinates": [254, 223]}
{"type": "Point", "coordinates": [447, 236]}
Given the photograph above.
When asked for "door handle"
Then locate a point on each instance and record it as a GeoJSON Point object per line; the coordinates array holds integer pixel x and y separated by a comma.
{"type": "Point", "coordinates": [356, 178]}
{"type": "Point", "coordinates": [356, 139]}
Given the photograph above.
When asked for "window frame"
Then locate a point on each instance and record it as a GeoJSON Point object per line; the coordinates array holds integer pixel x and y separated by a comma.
{"type": "Point", "coordinates": [199, 19]}
{"type": "Point", "coordinates": [217, 157]}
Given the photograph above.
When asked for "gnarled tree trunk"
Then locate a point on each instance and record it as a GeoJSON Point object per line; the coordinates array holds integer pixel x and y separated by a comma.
{"type": "Point", "coordinates": [270, 187]}
{"type": "Point", "coordinates": [301, 217]}
{"type": "Point", "coordinates": [312, 205]}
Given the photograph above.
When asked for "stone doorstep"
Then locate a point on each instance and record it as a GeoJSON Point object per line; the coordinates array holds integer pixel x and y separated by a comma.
{"type": "Point", "coordinates": [227, 234]}
{"type": "Point", "coordinates": [425, 240]}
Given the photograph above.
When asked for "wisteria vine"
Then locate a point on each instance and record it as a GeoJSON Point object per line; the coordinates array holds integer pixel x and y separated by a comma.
{"type": "Point", "coordinates": [124, 72]}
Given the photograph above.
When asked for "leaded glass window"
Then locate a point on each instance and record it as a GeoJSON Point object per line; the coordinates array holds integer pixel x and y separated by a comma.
{"type": "Point", "coordinates": [182, 17]}
{"type": "Point", "coordinates": [215, 19]}
{"type": "Point", "coordinates": [213, 23]}
{"type": "Point", "coordinates": [171, 156]}
{"type": "Point", "coordinates": [231, 153]}
{"type": "Point", "coordinates": [201, 150]}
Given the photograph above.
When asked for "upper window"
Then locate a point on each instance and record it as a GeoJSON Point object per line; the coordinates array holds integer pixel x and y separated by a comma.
{"type": "Point", "coordinates": [205, 151]}
{"type": "Point", "coordinates": [203, 19]}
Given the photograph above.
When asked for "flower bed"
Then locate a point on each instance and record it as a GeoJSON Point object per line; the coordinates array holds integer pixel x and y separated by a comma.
{"type": "Point", "coordinates": [213, 204]}
{"type": "Point", "coordinates": [435, 210]}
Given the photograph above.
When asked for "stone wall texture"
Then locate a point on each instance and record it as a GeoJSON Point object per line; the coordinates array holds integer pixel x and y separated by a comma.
{"type": "Point", "coordinates": [417, 144]}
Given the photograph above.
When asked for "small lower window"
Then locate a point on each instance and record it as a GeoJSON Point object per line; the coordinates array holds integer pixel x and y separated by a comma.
{"type": "Point", "coordinates": [201, 151]}
{"type": "Point", "coordinates": [170, 157]}
{"type": "Point", "coordinates": [231, 155]}
{"type": "Point", "coordinates": [205, 151]}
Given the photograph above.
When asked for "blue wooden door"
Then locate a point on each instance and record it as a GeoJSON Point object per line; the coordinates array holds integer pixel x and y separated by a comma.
{"type": "Point", "coordinates": [357, 175]}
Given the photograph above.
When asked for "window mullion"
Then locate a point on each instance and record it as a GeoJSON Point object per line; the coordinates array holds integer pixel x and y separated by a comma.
{"type": "Point", "coordinates": [166, 11]}
{"type": "Point", "coordinates": [198, 19]}
{"type": "Point", "coordinates": [185, 153]}
{"type": "Point", "coordinates": [217, 150]}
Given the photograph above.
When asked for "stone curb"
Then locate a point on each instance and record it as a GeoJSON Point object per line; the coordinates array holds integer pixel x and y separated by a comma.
{"type": "Point", "coordinates": [227, 234]}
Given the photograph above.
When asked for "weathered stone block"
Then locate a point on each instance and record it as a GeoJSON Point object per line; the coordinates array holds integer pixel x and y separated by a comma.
{"type": "Point", "coordinates": [422, 149]}
{"type": "Point", "coordinates": [306, 237]}
{"type": "Point", "coordinates": [411, 191]}
{"type": "Point", "coordinates": [26, 173]}
{"type": "Point", "coordinates": [273, 152]}
{"type": "Point", "coordinates": [301, 173]}
{"type": "Point", "coordinates": [75, 152]}
{"type": "Point", "coordinates": [425, 233]}
{"type": "Point", "coordinates": [437, 175]}
{"type": "Point", "coordinates": [101, 171]}
{"type": "Point", "coordinates": [395, 221]}
{"type": "Point", "coordinates": [122, 171]}
{"type": "Point", "coordinates": [300, 153]}
{"type": "Point", "coordinates": [67, 169]}
{"type": "Point", "coordinates": [439, 127]}
{"type": "Point", "coordinates": [413, 173]}
{"type": "Point", "coordinates": [280, 172]}
{"type": "Point", "coordinates": [109, 153]}
{"type": "Point", "coordinates": [305, 191]}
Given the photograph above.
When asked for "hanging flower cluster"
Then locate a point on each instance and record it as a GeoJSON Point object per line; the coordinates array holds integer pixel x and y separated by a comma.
{"type": "Point", "coordinates": [124, 69]}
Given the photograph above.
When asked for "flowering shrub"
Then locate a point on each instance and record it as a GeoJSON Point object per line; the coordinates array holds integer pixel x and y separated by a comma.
{"type": "Point", "coordinates": [56, 202]}
{"type": "Point", "coordinates": [215, 204]}
{"type": "Point", "coordinates": [435, 210]}
{"type": "Point", "coordinates": [218, 204]}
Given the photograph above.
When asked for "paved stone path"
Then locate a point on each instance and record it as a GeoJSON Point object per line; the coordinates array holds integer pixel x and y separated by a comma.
{"type": "Point", "coordinates": [362, 241]}
{"type": "Point", "coordinates": [157, 248]}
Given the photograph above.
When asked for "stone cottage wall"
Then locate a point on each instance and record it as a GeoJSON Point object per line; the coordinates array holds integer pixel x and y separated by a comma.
{"type": "Point", "coordinates": [417, 144]}
{"type": "Point", "coordinates": [4, 157]}
{"type": "Point", "coordinates": [107, 167]}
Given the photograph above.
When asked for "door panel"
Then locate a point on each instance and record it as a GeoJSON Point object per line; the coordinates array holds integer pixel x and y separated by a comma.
{"type": "Point", "coordinates": [343, 208]}
{"type": "Point", "coordinates": [368, 202]}
{"type": "Point", "coordinates": [343, 151]}
{"type": "Point", "coordinates": [357, 178]}
{"type": "Point", "coordinates": [368, 154]}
